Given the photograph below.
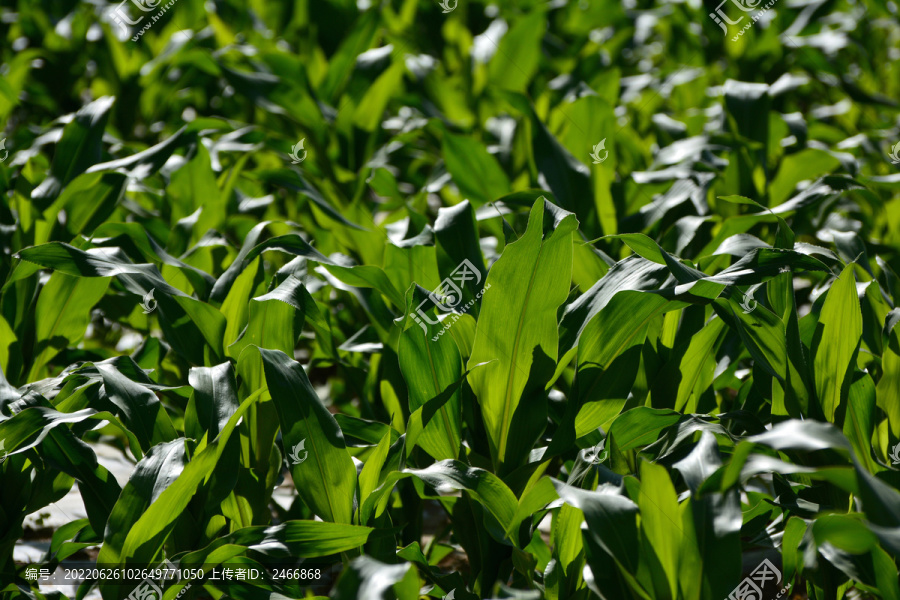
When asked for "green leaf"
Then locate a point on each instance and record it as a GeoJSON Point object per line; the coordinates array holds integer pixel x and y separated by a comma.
{"type": "Point", "coordinates": [661, 519]}
{"type": "Point", "coordinates": [62, 315]}
{"type": "Point", "coordinates": [641, 426]}
{"type": "Point", "coordinates": [611, 522]}
{"type": "Point", "coordinates": [305, 539]}
{"type": "Point", "coordinates": [214, 400]}
{"type": "Point", "coordinates": [430, 364]}
{"type": "Point", "coordinates": [136, 532]}
{"type": "Point", "coordinates": [138, 406]}
{"type": "Point", "coordinates": [517, 328]}
{"type": "Point", "coordinates": [321, 467]}
{"type": "Point", "coordinates": [147, 162]}
{"type": "Point", "coordinates": [456, 232]}
{"type": "Point", "coordinates": [836, 342]}
{"type": "Point", "coordinates": [370, 476]}
{"type": "Point", "coordinates": [888, 388]}
{"type": "Point", "coordinates": [368, 579]}
{"type": "Point", "coordinates": [478, 174]}
{"type": "Point", "coordinates": [194, 186]}
{"type": "Point", "coordinates": [518, 52]}
{"type": "Point", "coordinates": [88, 201]}
{"type": "Point", "coordinates": [484, 486]}
{"type": "Point", "coordinates": [188, 323]}
{"type": "Point", "coordinates": [80, 147]}
{"type": "Point", "coordinates": [859, 422]}
{"type": "Point", "coordinates": [845, 532]}
{"type": "Point", "coordinates": [446, 475]}
{"type": "Point", "coordinates": [807, 165]}
{"type": "Point", "coordinates": [151, 478]}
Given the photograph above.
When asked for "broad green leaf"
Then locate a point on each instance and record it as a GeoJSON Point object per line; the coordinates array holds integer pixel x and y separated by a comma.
{"type": "Point", "coordinates": [189, 324]}
{"type": "Point", "coordinates": [194, 186]}
{"type": "Point", "coordinates": [368, 579]}
{"type": "Point", "coordinates": [321, 467]}
{"type": "Point", "coordinates": [478, 174]}
{"type": "Point", "coordinates": [456, 232]}
{"type": "Point", "coordinates": [621, 325]}
{"type": "Point", "coordinates": [88, 201]}
{"type": "Point", "coordinates": [342, 63]}
{"type": "Point", "coordinates": [844, 532]}
{"type": "Point", "coordinates": [859, 421]}
{"type": "Point", "coordinates": [611, 522]}
{"type": "Point", "coordinates": [517, 327]}
{"type": "Point", "coordinates": [447, 475]}
{"type": "Point", "coordinates": [430, 364]}
{"type": "Point", "coordinates": [153, 475]}
{"type": "Point", "coordinates": [641, 426]}
{"type": "Point", "coordinates": [691, 373]}
{"type": "Point", "coordinates": [518, 52]}
{"type": "Point", "coordinates": [808, 164]}
{"type": "Point", "coordinates": [371, 107]}
{"type": "Point", "coordinates": [136, 532]}
{"type": "Point", "coordinates": [632, 273]}
{"type": "Point", "coordinates": [484, 486]}
{"type": "Point", "coordinates": [147, 162]}
{"type": "Point", "coordinates": [762, 333]}
{"type": "Point", "coordinates": [79, 148]}
{"type": "Point", "coordinates": [370, 476]}
{"type": "Point", "coordinates": [661, 519]}
{"type": "Point", "coordinates": [62, 315]}
{"type": "Point", "coordinates": [836, 343]}
{"type": "Point", "coordinates": [214, 400]}
{"type": "Point", "coordinates": [138, 407]}
{"type": "Point", "coordinates": [306, 539]}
